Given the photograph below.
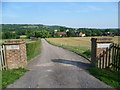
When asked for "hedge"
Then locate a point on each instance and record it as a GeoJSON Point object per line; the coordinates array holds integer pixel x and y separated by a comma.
{"type": "Point", "coordinates": [33, 49]}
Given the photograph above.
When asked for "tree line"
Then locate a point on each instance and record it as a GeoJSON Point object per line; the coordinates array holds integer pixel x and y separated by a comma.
{"type": "Point", "coordinates": [13, 31]}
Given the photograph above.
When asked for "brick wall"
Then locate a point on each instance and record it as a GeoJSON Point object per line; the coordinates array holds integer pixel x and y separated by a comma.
{"type": "Point", "coordinates": [16, 54]}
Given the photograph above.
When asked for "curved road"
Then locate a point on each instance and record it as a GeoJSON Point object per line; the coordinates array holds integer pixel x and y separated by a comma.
{"type": "Point", "coordinates": [57, 68]}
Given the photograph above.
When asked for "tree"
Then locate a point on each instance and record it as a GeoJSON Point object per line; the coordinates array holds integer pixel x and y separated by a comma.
{"type": "Point", "coordinates": [30, 34]}
{"type": "Point", "coordinates": [62, 29]}
{"type": "Point", "coordinates": [9, 35]}
{"type": "Point", "coordinates": [20, 32]}
{"type": "Point", "coordinates": [71, 34]}
{"type": "Point", "coordinates": [42, 34]}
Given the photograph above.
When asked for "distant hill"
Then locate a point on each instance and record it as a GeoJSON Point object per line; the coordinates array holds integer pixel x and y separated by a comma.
{"type": "Point", "coordinates": [23, 29]}
{"type": "Point", "coordinates": [37, 27]}
{"type": "Point", "coordinates": [14, 27]}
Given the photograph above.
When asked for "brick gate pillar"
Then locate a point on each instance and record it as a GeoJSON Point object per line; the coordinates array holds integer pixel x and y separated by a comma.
{"type": "Point", "coordinates": [15, 53]}
{"type": "Point", "coordinates": [97, 46]}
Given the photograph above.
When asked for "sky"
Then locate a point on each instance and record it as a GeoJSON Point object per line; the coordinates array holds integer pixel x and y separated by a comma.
{"type": "Point", "coordinates": [70, 14]}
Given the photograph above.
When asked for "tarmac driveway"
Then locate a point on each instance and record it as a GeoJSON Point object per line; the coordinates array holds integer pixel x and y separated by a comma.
{"type": "Point", "coordinates": [58, 68]}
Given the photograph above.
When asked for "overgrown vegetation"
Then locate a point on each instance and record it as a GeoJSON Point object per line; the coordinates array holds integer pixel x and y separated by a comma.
{"type": "Point", "coordinates": [33, 49]}
{"type": "Point", "coordinates": [106, 75]}
{"type": "Point", "coordinates": [9, 76]}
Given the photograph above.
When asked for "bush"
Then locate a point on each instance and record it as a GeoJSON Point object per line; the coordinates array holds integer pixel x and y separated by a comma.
{"type": "Point", "coordinates": [33, 49]}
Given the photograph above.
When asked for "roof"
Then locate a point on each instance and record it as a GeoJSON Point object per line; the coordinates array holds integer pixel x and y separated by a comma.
{"type": "Point", "coordinates": [62, 33]}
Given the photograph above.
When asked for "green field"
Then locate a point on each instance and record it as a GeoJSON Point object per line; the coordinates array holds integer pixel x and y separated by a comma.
{"type": "Point", "coordinates": [79, 45]}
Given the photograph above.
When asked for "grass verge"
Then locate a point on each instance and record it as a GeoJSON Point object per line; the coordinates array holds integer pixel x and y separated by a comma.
{"type": "Point", "coordinates": [107, 76]}
{"type": "Point", "coordinates": [0, 79]}
{"type": "Point", "coordinates": [79, 50]}
{"type": "Point", "coordinates": [33, 49]}
{"type": "Point", "coordinates": [9, 76]}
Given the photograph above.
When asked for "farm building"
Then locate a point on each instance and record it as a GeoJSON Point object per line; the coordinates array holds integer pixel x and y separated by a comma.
{"type": "Point", "coordinates": [61, 34]}
{"type": "Point", "coordinates": [80, 34]}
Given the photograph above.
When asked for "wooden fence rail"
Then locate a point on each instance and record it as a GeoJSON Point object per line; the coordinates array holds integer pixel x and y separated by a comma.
{"type": "Point", "coordinates": [110, 57]}
{"type": "Point", "coordinates": [3, 64]}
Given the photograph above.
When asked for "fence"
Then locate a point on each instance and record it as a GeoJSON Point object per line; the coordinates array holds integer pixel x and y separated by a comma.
{"type": "Point", "coordinates": [110, 57]}
{"type": "Point", "coordinates": [13, 54]}
{"type": "Point", "coordinates": [3, 64]}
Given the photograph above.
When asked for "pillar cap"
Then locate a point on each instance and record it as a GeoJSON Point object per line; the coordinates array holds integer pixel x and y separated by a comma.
{"type": "Point", "coordinates": [16, 41]}
{"type": "Point", "coordinates": [103, 40]}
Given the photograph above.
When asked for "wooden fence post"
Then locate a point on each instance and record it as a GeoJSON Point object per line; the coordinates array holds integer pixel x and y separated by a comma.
{"type": "Point", "coordinates": [93, 52]}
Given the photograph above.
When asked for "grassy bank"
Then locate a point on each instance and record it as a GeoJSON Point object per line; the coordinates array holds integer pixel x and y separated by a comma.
{"type": "Point", "coordinates": [0, 79]}
{"type": "Point", "coordinates": [33, 49]}
{"type": "Point", "coordinates": [79, 45]}
{"type": "Point", "coordinates": [9, 76]}
{"type": "Point", "coordinates": [72, 44]}
{"type": "Point", "coordinates": [109, 77]}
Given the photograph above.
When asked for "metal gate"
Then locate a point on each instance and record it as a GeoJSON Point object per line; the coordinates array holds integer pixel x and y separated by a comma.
{"type": "Point", "coordinates": [3, 63]}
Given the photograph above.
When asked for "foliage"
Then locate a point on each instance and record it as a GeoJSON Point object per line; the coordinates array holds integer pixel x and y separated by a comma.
{"type": "Point", "coordinates": [30, 30]}
{"type": "Point", "coordinates": [42, 34]}
{"type": "Point", "coordinates": [71, 34]}
{"type": "Point", "coordinates": [9, 35]}
{"type": "Point", "coordinates": [33, 49]}
{"type": "Point", "coordinates": [62, 29]}
{"type": "Point", "coordinates": [30, 34]}
{"type": "Point", "coordinates": [37, 34]}
{"type": "Point", "coordinates": [9, 76]}
{"type": "Point", "coordinates": [20, 32]}
{"type": "Point", "coordinates": [107, 76]}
